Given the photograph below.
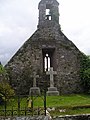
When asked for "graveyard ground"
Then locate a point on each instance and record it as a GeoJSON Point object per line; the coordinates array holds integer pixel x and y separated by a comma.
{"type": "Point", "coordinates": [56, 105]}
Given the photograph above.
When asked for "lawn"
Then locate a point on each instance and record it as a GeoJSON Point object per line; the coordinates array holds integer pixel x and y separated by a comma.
{"type": "Point", "coordinates": [69, 100]}
{"type": "Point", "coordinates": [58, 105]}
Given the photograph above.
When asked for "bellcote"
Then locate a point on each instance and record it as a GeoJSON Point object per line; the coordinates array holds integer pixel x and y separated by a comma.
{"type": "Point", "coordinates": [48, 13]}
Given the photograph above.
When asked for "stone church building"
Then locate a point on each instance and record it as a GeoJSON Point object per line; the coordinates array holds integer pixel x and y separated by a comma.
{"type": "Point", "coordinates": [47, 47]}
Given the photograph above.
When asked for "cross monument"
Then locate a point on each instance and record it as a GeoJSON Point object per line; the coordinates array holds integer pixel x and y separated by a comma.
{"type": "Point", "coordinates": [52, 90]}
{"type": "Point", "coordinates": [34, 90]}
{"type": "Point", "coordinates": [35, 76]}
{"type": "Point", "coordinates": [51, 73]}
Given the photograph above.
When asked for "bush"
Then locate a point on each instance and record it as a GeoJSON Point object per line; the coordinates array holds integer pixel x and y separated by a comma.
{"type": "Point", "coordinates": [86, 80]}
{"type": "Point", "coordinates": [85, 73]}
{"type": "Point", "coordinates": [1, 99]}
{"type": "Point", "coordinates": [5, 88]}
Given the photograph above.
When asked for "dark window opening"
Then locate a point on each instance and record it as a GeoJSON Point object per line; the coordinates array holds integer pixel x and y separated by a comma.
{"type": "Point", "coordinates": [48, 17]}
{"type": "Point", "coordinates": [48, 12]}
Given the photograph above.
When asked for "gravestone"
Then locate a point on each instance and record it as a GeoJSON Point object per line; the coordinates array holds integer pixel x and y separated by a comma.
{"type": "Point", "coordinates": [52, 90]}
{"type": "Point", "coordinates": [34, 90]}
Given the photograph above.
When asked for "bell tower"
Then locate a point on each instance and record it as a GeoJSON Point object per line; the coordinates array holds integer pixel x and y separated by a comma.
{"type": "Point", "coordinates": [48, 13]}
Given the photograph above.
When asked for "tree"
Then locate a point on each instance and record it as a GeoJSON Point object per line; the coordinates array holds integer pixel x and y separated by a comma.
{"type": "Point", "coordinates": [2, 70]}
{"type": "Point", "coordinates": [85, 72]}
{"type": "Point", "coordinates": [5, 88]}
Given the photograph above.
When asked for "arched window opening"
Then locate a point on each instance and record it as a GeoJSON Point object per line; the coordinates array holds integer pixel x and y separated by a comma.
{"type": "Point", "coordinates": [47, 62]}
{"type": "Point", "coordinates": [48, 58]}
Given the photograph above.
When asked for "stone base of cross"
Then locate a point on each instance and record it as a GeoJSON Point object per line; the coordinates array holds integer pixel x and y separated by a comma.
{"type": "Point", "coordinates": [52, 90]}
{"type": "Point", "coordinates": [34, 91]}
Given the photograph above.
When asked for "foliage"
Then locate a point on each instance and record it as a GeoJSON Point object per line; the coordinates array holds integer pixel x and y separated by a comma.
{"type": "Point", "coordinates": [85, 72]}
{"type": "Point", "coordinates": [5, 88]}
{"type": "Point", "coordinates": [2, 70]}
{"type": "Point", "coordinates": [86, 80]}
{"type": "Point", "coordinates": [85, 62]}
{"type": "Point", "coordinates": [1, 99]}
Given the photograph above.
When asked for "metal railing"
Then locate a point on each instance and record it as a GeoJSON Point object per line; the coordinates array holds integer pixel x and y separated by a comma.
{"type": "Point", "coordinates": [23, 105]}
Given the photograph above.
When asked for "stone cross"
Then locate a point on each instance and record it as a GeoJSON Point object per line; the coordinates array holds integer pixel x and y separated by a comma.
{"type": "Point", "coordinates": [51, 73]}
{"type": "Point", "coordinates": [35, 76]}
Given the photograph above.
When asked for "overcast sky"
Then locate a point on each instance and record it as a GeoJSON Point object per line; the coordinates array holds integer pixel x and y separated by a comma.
{"type": "Point", "coordinates": [19, 19]}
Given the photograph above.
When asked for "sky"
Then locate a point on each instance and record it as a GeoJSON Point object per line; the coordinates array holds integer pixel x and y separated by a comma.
{"type": "Point", "coordinates": [19, 20]}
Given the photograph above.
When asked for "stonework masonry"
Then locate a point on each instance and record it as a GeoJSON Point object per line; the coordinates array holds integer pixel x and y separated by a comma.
{"type": "Point", "coordinates": [47, 39]}
{"type": "Point", "coordinates": [67, 117]}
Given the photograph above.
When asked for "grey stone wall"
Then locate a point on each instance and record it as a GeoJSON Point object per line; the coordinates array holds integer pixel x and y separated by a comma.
{"type": "Point", "coordinates": [26, 118]}
{"type": "Point", "coordinates": [29, 58]}
{"type": "Point", "coordinates": [54, 11]}
{"type": "Point", "coordinates": [74, 117]}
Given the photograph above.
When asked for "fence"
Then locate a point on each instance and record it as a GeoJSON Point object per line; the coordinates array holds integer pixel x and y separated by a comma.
{"type": "Point", "coordinates": [23, 105]}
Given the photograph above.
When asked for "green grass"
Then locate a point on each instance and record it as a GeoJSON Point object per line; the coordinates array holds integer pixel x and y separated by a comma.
{"type": "Point", "coordinates": [65, 101]}
{"type": "Point", "coordinates": [70, 112]}
{"type": "Point", "coordinates": [72, 104]}
{"type": "Point", "coordinates": [70, 100]}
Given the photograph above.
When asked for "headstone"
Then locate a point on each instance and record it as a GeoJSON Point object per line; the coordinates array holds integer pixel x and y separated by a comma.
{"type": "Point", "coordinates": [52, 90]}
{"type": "Point", "coordinates": [34, 90]}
